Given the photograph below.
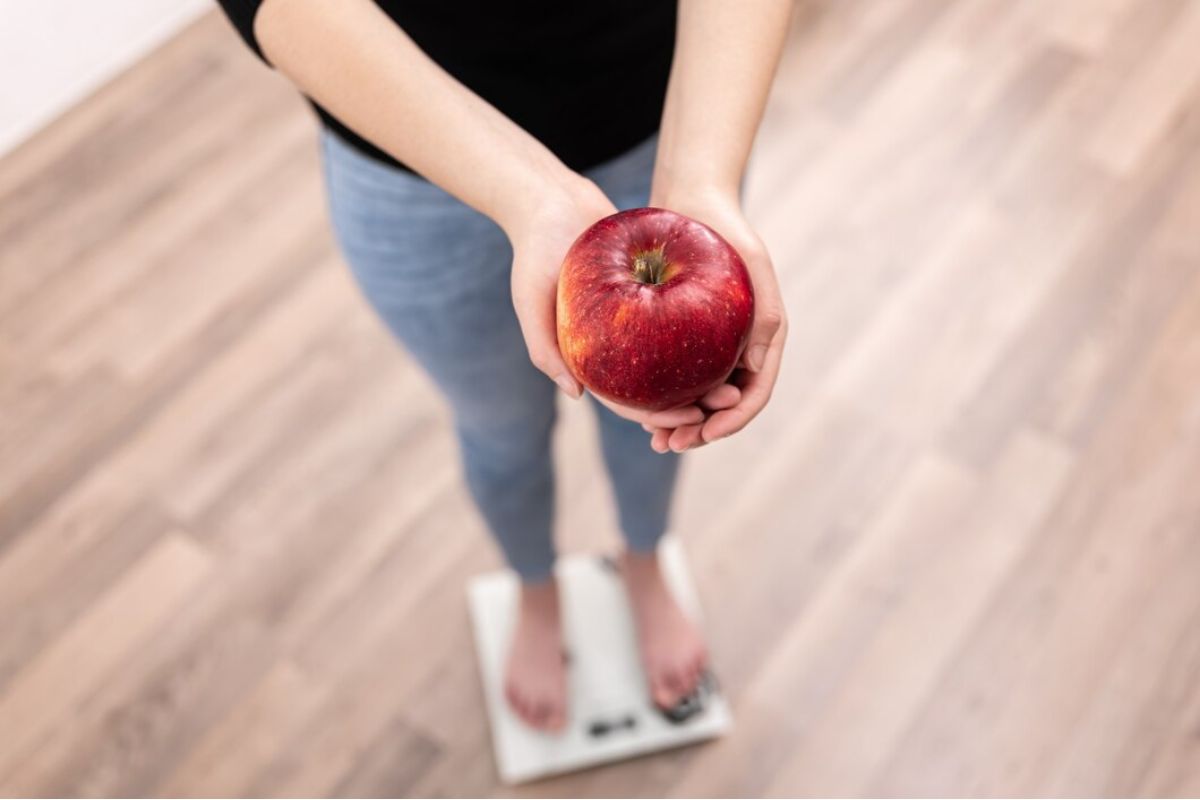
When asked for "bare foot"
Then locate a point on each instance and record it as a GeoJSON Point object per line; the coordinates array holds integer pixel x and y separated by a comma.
{"type": "Point", "coordinates": [673, 651]}
{"type": "Point", "coordinates": [535, 681]}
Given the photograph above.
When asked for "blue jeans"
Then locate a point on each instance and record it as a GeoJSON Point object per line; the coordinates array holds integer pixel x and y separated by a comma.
{"type": "Point", "coordinates": [437, 273]}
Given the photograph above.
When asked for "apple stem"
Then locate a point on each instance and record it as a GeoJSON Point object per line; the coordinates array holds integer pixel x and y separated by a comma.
{"type": "Point", "coordinates": [649, 266]}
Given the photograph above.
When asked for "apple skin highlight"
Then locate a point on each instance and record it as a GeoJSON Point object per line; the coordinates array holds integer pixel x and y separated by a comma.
{"type": "Point", "coordinates": [654, 309]}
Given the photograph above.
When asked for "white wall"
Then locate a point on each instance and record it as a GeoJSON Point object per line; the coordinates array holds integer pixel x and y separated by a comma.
{"type": "Point", "coordinates": [53, 53]}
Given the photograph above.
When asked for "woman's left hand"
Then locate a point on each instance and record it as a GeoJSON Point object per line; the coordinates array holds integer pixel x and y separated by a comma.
{"type": "Point", "coordinates": [730, 407]}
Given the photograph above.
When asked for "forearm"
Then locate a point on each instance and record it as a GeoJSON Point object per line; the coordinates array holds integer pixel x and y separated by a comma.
{"type": "Point", "coordinates": [353, 60]}
{"type": "Point", "coordinates": [725, 58]}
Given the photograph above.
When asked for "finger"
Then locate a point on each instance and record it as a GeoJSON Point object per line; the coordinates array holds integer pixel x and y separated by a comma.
{"type": "Point", "coordinates": [624, 412]}
{"type": "Point", "coordinates": [650, 429]}
{"type": "Point", "coordinates": [684, 438]}
{"type": "Point", "coordinates": [729, 421]}
{"type": "Point", "coordinates": [659, 441]}
{"type": "Point", "coordinates": [768, 311]}
{"type": "Point", "coordinates": [671, 418]}
{"type": "Point", "coordinates": [756, 391]}
{"type": "Point", "coordinates": [768, 319]}
{"type": "Point", "coordinates": [674, 417]}
{"type": "Point", "coordinates": [724, 396]}
{"type": "Point", "coordinates": [535, 313]}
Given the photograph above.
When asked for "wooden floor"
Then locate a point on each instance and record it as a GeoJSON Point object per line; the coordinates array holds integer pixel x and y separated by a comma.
{"type": "Point", "coordinates": [959, 554]}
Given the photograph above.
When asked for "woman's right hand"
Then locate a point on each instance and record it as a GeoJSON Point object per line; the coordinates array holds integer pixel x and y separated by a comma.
{"type": "Point", "coordinates": [540, 240]}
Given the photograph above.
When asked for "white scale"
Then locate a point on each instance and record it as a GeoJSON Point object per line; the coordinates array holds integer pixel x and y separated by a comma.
{"type": "Point", "coordinates": [610, 715]}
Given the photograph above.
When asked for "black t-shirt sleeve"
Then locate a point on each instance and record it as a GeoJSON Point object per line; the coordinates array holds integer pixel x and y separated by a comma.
{"type": "Point", "coordinates": [242, 13]}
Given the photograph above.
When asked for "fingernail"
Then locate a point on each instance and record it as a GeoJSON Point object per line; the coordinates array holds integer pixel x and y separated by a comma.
{"type": "Point", "coordinates": [756, 356]}
{"type": "Point", "coordinates": [568, 385]}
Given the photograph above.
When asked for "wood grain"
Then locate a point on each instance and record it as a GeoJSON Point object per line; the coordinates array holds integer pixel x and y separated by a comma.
{"type": "Point", "coordinates": [958, 554]}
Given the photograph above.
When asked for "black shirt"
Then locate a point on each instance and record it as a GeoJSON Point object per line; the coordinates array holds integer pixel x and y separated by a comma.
{"type": "Point", "coordinates": [588, 80]}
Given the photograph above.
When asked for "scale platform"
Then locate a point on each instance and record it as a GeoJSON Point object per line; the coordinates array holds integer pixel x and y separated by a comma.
{"type": "Point", "coordinates": [610, 715]}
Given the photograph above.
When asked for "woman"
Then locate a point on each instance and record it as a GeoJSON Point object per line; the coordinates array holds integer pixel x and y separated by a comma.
{"type": "Point", "coordinates": [466, 144]}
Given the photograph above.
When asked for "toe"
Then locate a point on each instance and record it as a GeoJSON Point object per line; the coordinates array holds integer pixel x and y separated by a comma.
{"type": "Point", "coordinates": [663, 695]}
{"type": "Point", "coordinates": [556, 720]}
{"type": "Point", "coordinates": [699, 665]}
{"type": "Point", "coordinates": [678, 683]}
{"type": "Point", "coordinates": [513, 697]}
{"type": "Point", "coordinates": [537, 713]}
{"type": "Point", "coordinates": [689, 677]}
{"type": "Point", "coordinates": [519, 706]}
{"type": "Point", "coordinates": [528, 712]}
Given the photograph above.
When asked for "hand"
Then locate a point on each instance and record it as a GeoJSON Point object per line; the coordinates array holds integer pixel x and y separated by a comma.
{"type": "Point", "coordinates": [540, 241]}
{"type": "Point", "coordinates": [750, 386]}
{"type": "Point", "coordinates": [724, 396]}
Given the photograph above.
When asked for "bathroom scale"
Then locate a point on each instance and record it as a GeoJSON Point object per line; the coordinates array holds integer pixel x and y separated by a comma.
{"type": "Point", "coordinates": [610, 716]}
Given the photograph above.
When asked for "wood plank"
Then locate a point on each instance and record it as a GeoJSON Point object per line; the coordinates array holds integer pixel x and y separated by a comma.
{"type": "Point", "coordinates": [954, 556]}
{"type": "Point", "coordinates": [47, 609]}
{"type": "Point", "coordinates": [42, 695]}
{"type": "Point", "coordinates": [222, 762]}
{"type": "Point", "coordinates": [81, 514]}
{"type": "Point", "coordinates": [1151, 97]}
{"type": "Point", "coordinates": [1035, 663]}
{"type": "Point", "coordinates": [937, 606]}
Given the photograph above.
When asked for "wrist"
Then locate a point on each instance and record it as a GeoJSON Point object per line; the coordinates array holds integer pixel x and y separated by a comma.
{"type": "Point", "coordinates": [550, 188]}
{"type": "Point", "coordinates": [680, 181]}
{"type": "Point", "coordinates": [693, 194]}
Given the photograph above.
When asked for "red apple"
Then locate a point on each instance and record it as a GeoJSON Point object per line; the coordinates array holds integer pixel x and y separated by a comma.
{"type": "Point", "coordinates": [653, 309]}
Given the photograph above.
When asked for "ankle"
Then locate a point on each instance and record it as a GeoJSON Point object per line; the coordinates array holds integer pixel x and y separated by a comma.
{"type": "Point", "coordinates": [642, 568]}
{"type": "Point", "coordinates": [540, 597]}
{"type": "Point", "coordinates": [640, 560]}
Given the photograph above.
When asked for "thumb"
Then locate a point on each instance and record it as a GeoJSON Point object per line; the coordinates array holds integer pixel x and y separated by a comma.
{"type": "Point", "coordinates": [535, 312]}
{"type": "Point", "coordinates": [766, 324]}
